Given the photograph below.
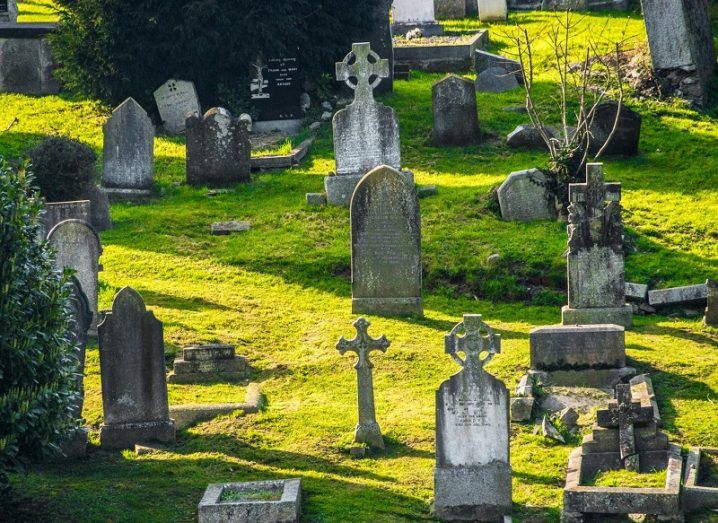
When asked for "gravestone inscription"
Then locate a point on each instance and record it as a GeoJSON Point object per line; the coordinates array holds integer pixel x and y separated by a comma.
{"type": "Point", "coordinates": [455, 115]}
{"type": "Point", "coordinates": [276, 88]}
{"type": "Point", "coordinates": [176, 100]}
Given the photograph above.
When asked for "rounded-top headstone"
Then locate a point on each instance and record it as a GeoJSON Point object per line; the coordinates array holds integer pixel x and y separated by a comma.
{"type": "Point", "coordinates": [455, 117]}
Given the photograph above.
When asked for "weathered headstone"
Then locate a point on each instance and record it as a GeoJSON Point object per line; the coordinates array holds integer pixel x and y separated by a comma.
{"type": "Point", "coordinates": [28, 62]}
{"type": "Point", "coordinates": [366, 133]}
{"type": "Point", "coordinates": [176, 100]}
{"type": "Point", "coordinates": [681, 44]}
{"type": "Point", "coordinates": [132, 365]}
{"type": "Point", "coordinates": [56, 212]}
{"type": "Point", "coordinates": [78, 247]}
{"type": "Point", "coordinates": [415, 14]}
{"type": "Point", "coordinates": [484, 60]}
{"type": "Point", "coordinates": [276, 90]}
{"type": "Point", "coordinates": [455, 115]}
{"type": "Point", "coordinates": [524, 197]}
{"type": "Point", "coordinates": [596, 277]}
{"type": "Point", "coordinates": [386, 245]}
{"type": "Point", "coordinates": [711, 316]}
{"type": "Point", "coordinates": [214, 361]}
{"type": "Point", "coordinates": [218, 149]}
{"type": "Point", "coordinates": [472, 478]}
{"type": "Point", "coordinates": [381, 41]}
{"type": "Point", "coordinates": [128, 150]}
{"type": "Point", "coordinates": [367, 430]}
{"type": "Point", "coordinates": [450, 9]}
{"type": "Point", "coordinates": [628, 131]}
{"type": "Point", "coordinates": [491, 10]}
{"type": "Point", "coordinates": [495, 80]}
{"type": "Point", "coordinates": [8, 11]}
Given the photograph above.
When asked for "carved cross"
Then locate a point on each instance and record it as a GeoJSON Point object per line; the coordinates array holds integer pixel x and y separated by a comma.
{"type": "Point", "coordinates": [363, 70]}
{"type": "Point", "coordinates": [623, 413]}
{"type": "Point", "coordinates": [478, 338]}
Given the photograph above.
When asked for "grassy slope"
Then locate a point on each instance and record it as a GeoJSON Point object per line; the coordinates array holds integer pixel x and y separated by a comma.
{"type": "Point", "coordinates": [281, 292]}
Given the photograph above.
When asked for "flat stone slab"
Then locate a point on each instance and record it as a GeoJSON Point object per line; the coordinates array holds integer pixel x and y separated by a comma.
{"type": "Point", "coordinates": [678, 295]}
{"type": "Point", "coordinates": [695, 495]}
{"type": "Point", "coordinates": [578, 347]}
{"type": "Point", "coordinates": [225, 228]}
{"type": "Point", "coordinates": [187, 415]}
{"type": "Point", "coordinates": [119, 195]}
{"type": "Point", "coordinates": [277, 501]}
{"type": "Point", "coordinates": [283, 161]}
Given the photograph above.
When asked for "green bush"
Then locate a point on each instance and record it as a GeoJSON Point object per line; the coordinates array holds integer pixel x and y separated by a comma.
{"type": "Point", "coordinates": [37, 383]}
{"type": "Point", "coordinates": [64, 169]}
{"type": "Point", "coordinates": [112, 49]}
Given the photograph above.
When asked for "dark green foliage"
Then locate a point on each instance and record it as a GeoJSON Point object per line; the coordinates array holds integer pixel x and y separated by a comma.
{"type": "Point", "coordinates": [112, 49]}
{"type": "Point", "coordinates": [64, 169]}
{"type": "Point", "coordinates": [36, 366]}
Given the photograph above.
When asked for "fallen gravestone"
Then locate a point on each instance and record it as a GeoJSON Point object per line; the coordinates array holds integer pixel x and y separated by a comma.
{"type": "Point", "coordinates": [176, 100]}
{"type": "Point", "coordinates": [225, 228]}
{"type": "Point", "coordinates": [524, 197]}
{"type": "Point", "coordinates": [711, 316]}
{"type": "Point", "coordinates": [492, 10]}
{"type": "Point", "coordinates": [496, 80]}
{"type": "Point", "coordinates": [628, 130]}
{"type": "Point", "coordinates": [455, 115]}
{"type": "Point", "coordinates": [128, 151]}
{"type": "Point", "coordinates": [636, 292]}
{"type": "Point", "coordinates": [218, 149]}
{"type": "Point", "coordinates": [527, 135]}
{"type": "Point", "coordinates": [8, 11]}
{"type": "Point", "coordinates": [472, 478]}
{"type": "Point", "coordinates": [415, 14]}
{"type": "Point", "coordinates": [132, 366]}
{"type": "Point", "coordinates": [201, 363]}
{"type": "Point", "coordinates": [690, 294]}
{"type": "Point", "coordinates": [386, 245]}
{"type": "Point", "coordinates": [275, 501]}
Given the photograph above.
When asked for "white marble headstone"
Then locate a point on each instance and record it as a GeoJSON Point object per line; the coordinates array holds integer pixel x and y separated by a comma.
{"type": "Point", "coordinates": [492, 10]}
{"type": "Point", "coordinates": [176, 100]}
{"type": "Point", "coordinates": [413, 11]}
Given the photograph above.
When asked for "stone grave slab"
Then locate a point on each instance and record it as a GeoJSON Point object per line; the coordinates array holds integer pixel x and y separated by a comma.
{"type": "Point", "coordinates": [456, 120]}
{"type": "Point", "coordinates": [415, 14]}
{"type": "Point", "coordinates": [225, 228]}
{"type": "Point", "coordinates": [678, 295]}
{"type": "Point", "coordinates": [176, 100]}
{"type": "Point", "coordinates": [636, 292]}
{"type": "Point", "coordinates": [523, 197]}
{"type": "Point", "coordinates": [273, 501]}
{"type": "Point", "coordinates": [211, 362]}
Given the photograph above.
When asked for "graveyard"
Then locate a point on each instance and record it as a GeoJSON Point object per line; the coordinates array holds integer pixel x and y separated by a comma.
{"type": "Point", "coordinates": [279, 291]}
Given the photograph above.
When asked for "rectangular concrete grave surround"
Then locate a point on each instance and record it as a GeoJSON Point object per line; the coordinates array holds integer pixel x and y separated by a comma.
{"type": "Point", "coordinates": [132, 367]}
{"type": "Point", "coordinates": [56, 212]}
{"type": "Point", "coordinates": [386, 245]}
{"type": "Point", "coordinates": [456, 121]}
{"type": "Point", "coordinates": [523, 197]}
{"type": "Point", "coordinates": [696, 495]}
{"type": "Point", "coordinates": [596, 277]}
{"type": "Point", "coordinates": [213, 362]}
{"type": "Point", "coordinates": [441, 58]}
{"type": "Point", "coordinates": [492, 10]}
{"type": "Point", "coordinates": [472, 477]}
{"type": "Point", "coordinates": [275, 92]}
{"type": "Point", "coordinates": [286, 508]}
{"type": "Point", "coordinates": [449, 9]}
{"type": "Point", "coordinates": [711, 316]}
{"type": "Point", "coordinates": [690, 294]}
{"type": "Point", "coordinates": [8, 11]}
{"type": "Point", "coordinates": [28, 63]}
{"type": "Point", "coordinates": [413, 14]}
{"type": "Point", "coordinates": [176, 100]}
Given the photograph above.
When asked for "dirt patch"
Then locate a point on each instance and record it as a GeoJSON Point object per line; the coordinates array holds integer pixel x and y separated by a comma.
{"type": "Point", "coordinates": [708, 470]}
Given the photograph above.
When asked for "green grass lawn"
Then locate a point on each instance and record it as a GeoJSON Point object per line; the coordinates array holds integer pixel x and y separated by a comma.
{"type": "Point", "coordinates": [282, 293]}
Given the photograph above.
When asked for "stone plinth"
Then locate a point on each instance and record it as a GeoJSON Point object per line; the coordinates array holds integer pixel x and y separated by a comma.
{"type": "Point", "coordinates": [277, 501]}
{"type": "Point", "coordinates": [578, 347]}
{"type": "Point", "coordinates": [201, 363]}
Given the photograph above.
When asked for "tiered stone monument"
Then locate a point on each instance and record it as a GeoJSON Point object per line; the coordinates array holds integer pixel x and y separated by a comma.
{"type": "Point", "coordinates": [218, 149]}
{"type": "Point", "coordinates": [472, 478]}
{"type": "Point", "coordinates": [711, 316]}
{"type": "Point", "coordinates": [201, 363]}
{"type": "Point", "coordinates": [455, 116]}
{"type": "Point", "coordinates": [415, 14]}
{"type": "Point", "coordinates": [386, 245]}
{"type": "Point", "coordinates": [596, 278]}
{"type": "Point", "coordinates": [132, 365]}
{"type": "Point", "coordinates": [8, 11]}
{"type": "Point", "coordinates": [367, 431]}
{"type": "Point", "coordinates": [492, 10]}
{"type": "Point", "coordinates": [366, 133]}
{"type": "Point", "coordinates": [128, 151]}
{"type": "Point", "coordinates": [176, 100]}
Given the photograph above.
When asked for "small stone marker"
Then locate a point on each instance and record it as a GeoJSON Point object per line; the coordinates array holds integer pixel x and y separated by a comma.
{"type": "Point", "coordinates": [78, 247]}
{"type": "Point", "coordinates": [214, 361]}
{"type": "Point", "coordinates": [472, 478]}
{"type": "Point", "coordinates": [492, 10]}
{"type": "Point", "coordinates": [367, 430]}
{"type": "Point", "coordinates": [218, 149]}
{"type": "Point", "coordinates": [523, 197]}
{"type": "Point", "coordinates": [132, 365]}
{"type": "Point", "coordinates": [386, 245]}
{"type": "Point", "coordinates": [415, 14]}
{"type": "Point", "coordinates": [596, 278]}
{"type": "Point", "coordinates": [8, 11]}
{"type": "Point", "coordinates": [455, 116]}
{"type": "Point", "coordinates": [366, 133]}
{"type": "Point", "coordinates": [711, 316]}
{"type": "Point", "coordinates": [224, 228]}
{"type": "Point", "coordinates": [128, 150]}
{"type": "Point", "coordinates": [176, 100]}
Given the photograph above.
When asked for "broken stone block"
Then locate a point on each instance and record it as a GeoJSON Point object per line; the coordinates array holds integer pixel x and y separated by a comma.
{"type": "Point", "coordinates": [522, 409]}
{"type": "Point", "coordinates": [568, 417]}
{"type": "Point", "coordinates": [525, 387]}
{"type": "Point", "coordinates": [636, 292]}
{"type": "Point", "coordinates": [678, 295]}
{"type": "Point", "coordinates": [549, 431]}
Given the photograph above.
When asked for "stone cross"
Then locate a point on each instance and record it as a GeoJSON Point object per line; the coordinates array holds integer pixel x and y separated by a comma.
{"type": "Point", "coordinates": [478, 339]}
{"type": "Point", "coordinates": [624, 413]}
{"type": "Point", "coordinates": [367, 430]}
{"type": "Point", "coordinates": [363, 70]}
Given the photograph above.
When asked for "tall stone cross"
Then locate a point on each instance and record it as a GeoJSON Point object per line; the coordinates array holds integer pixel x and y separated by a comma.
{"type": "Point", "coordinates": [624, 413]}
{"type": "Point", "coordinates": [367, 430]}
{"type": "Point", "coordinates": [478, 339]}
{"type": "Point", "coordinates": [363, 70]}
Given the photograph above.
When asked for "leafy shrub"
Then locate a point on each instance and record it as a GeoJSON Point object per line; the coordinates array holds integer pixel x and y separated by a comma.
{"type": "Point", "coordinates": [36, 366]}
{"type": "Point", "coordinates": [64, 169]}
{"type": "Point", "coordinates": [112, 49]}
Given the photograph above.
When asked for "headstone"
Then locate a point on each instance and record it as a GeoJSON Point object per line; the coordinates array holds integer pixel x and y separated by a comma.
{"type": "Point", "coordinates": [366, 133]}
{"type": "Point", "coordinates": [214, 361]}
{"type": "Point", "coordinates": [381, 41]}
{"type": "Point", "coordinates": [578, 347]}
{"type": "Point", "coordinates": [681, 44]}
{"type": "Point", "coordinates": [415, 14]}
{"type": "Point", "coordinates": [132, 366]}
{"type": "Point", "coordinates": [56, 212]}
{"type": "Point", "coordinates": [636, 292]}
{"type": "Point", "coordinates": [450, 9]}
{"type": "Point", "coordinates": [492, 10]}
{"type": "Point", "coordinates": [496, 80]}
{"type": "Point", "coordinates": [455, 115]}
{"type": "Point", "coordinates": [8, 11]}
{"type": "Point", "coordinates": [28, 62]}
{"type": "Point", "coordinates": [628, 132]}
{"type": "Point", "coordinates": [276, 92]}
{"type": "Point", "coordinates": [472, 478]}
{"type": "Point", "coordinates": [78, 247]}
{"type": "Point", "coordinates": [524, 197]}
{"type": "Point", "coordinates": [128, 150]}
{"type": "Point", "coordinates": [218, 149]}
{"type": "Point", "coordinates": [528, 135]}
{"type": "Point", "coordinates": [367, 430]}
{"type": "Point", "coordinates": [596, 277]}
{"type": "Point", "coordinates": [176, 100]}
{"type": "Point", "coordinates": [386, 245]}
{"type": "Point", "coordinates": [711, 316]}
{"type": "Point", "coordinates": [484, 60]}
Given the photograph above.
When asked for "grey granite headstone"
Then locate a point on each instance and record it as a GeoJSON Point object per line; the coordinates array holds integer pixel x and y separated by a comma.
{"type": "Point", "coordinates": [386, 245]}
{"type": "Point", "coordinates": [455, 116]}
{"type": "Point", "coordinates": [596, 275]}
{"type": "Point", "coordinates": [132, 365]}
{"type": "Point", "coordinates": [450, 9]}
{"type": "Point", "coordinates": [483, 60]}
{"type": "Point", "coordinates": [128, 150]}
{"type": "Point", "coordinates": [176, 100]}
{"type": "Point", "coordinates": [8, 11]}
{"type": "Point", "coordinates": [78, 247]}
{"type": "Point", "coordinates": [523, 197]}
{"type": "Point", "coordinates": [711, 316]}
{"type": "Point", "coordinates": [415, 14]}
{"type": "Point", "coordinates": [472, 478]}
{"type": "Point", "coordinates": [496, 80]}
{"type": "Point", "coordinates": [218, 149]}
{"type": "Point", "coordinates": [628, 131]}
{"type": "Point", "coordinates": [56, 212]}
